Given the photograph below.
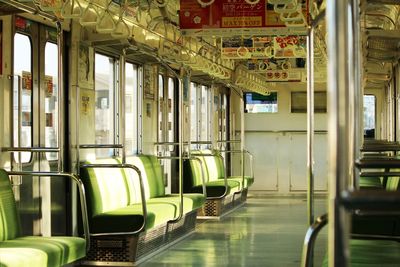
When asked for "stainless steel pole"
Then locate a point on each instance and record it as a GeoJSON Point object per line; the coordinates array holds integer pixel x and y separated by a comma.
{"type": "Point", "coordinates": [60, 45]}
{"type": "Point", "coordinates": [358, 90]}
{"type": "Point", "coordinates": [122, 119]}
{"type": "Point", "coordinates": [338, 128]}
{"type": "Point", "coordinates": [310, 126]}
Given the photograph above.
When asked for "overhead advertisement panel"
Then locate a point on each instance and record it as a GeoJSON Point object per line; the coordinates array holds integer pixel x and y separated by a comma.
{"type": "Point", "coordinates": [264, 47]}
{"type": "Point", "coordinates": [236, 17]}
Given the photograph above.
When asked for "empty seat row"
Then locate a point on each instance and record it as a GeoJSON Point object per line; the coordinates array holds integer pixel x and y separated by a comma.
{"type": "Point", "coordinates": [35, 251]}
{"type": "Point", "coordinates": [130, 215]}
{"type": "Point", "coordinates": [223, 193]}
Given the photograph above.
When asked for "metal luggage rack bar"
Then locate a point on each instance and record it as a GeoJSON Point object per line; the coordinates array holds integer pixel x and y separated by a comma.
{"type": "Point", "coordinates": [386, 2]}
{"type": "Point", "coordinates": [30, 149]}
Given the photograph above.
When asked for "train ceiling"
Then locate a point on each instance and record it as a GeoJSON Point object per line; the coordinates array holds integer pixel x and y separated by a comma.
{"type": "Point", "coordinates": [250, 44]}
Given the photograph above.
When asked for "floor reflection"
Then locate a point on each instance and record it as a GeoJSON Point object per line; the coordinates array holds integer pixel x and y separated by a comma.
{"type": "Point", "coordinates": [264, 232]}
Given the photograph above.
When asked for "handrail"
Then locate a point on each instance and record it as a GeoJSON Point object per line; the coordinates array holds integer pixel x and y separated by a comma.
{"type": "Point", "coordinates": [30, 149]}
{"type": "Point", "coordinates": [82, 195]}
{"type": "Point", "coordinates": [142, 195]}
{"type": "Point", "coordinates": [229, 141]}
{"type": "Point", "coordinates": [167, 143]}
{"type": "Point", "coordinates": [201, 142]}
{"type": "Point", "coordinates": [225, 178]}
{"type": "Point", "coordinates": [202, 178]}
{"type": "Point", "coordinates": [309, 240]}
{"type": "Point", "coordinates": [87, 146]}
{"type": "Point", "coordinates": [251, 158]}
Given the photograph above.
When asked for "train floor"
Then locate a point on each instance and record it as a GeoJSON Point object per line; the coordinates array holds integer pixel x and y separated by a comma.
{"type": "Point", "coordinates": [266, 231]}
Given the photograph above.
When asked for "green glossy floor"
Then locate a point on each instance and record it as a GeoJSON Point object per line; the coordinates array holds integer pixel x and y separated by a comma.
{"type": "Point", "coordinates": [266, 231]}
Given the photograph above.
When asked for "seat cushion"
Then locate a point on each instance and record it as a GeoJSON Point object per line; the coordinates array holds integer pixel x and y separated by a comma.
{"type": "Point", "coordinates": [48, 251]}
{"type": "Point", "coordinates": [126, 219]}
{"type": "Point", "coordinates": [373, 182]}
{"type": "Point", "coordinates": [190, 201]}
{"type": "Point", "coordinates": [248, 181]}
{"type": "Point", "coordinates": [130, 218]}
{"type": "Point", "coordinates": [373, 253]}
{"type": "Point", "coordinates": [217, 188]}
{"type": "Point", "coordinates": [22, 257]}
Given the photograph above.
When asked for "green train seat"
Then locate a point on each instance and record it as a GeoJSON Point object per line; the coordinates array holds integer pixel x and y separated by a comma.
{"type": "Point", "coordinates": [35, 251]}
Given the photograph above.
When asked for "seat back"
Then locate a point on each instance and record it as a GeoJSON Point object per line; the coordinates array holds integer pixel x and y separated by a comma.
{"type": "Point", "coordinates": [192, 173]}
{"type": "Point", "coordinates": [9, 219]}
{"type": "Point", "coordinates": [393, 183]}
{"type": "Point", "coordinates": [106, 188]}
{"type": "Point", "coordinates": [214, 164]}
{"type": "Point", "coordinates": [152, 176]}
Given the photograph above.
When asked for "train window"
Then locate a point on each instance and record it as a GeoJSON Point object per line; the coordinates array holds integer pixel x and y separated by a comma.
{"type": "Point", "coordinates": [204, 113]}
{"type": "Point", "coordinates": [104, 94]}
{"type": "Point", "coordinates": [200, 113]}
{"type": "Point", "coordinates": [223, 119]}
{"type": "Point", "coordinates": [299, 102]}
{"type": "Point", "coordinates": [193, 112]}
{"type": "Point", "coordinates": [171, 110]}
{"type": "Point", "coordinates": [161, 120]}
{"type": "Point", "coordinates": [51, 101]}
{"type": "Point", "coordinates": [369, 116]}
{"type": "Point", "coordinates": [256, 103]}
{"type": "Point", "coordinates": [22, 95]}
{"type": "Point", "coordinates": [131, 108]}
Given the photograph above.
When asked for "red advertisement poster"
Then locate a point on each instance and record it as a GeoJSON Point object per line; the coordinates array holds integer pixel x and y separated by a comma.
{"type": "Point", "coordinates": [239, 14]}
{"type": "Point", "coordinates": [193, 16]}
{"type": "Point", "coordinates": [236, 14]}
{"type": "Point", "coordinates": [221, 14]}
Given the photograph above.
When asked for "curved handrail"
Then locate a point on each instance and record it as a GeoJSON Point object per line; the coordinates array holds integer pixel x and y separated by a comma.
{"type": "Point", "coordinates": [251, 158]}
{"type": "Point", "coordinates": [142, 195]}
{"type": "Point", "coordinates": [225, 178]}
{"type": "Point", "coordinates": [75, 178]}
{"type": "Point", "coordinates": [180, 216]}
{"type": "Point", "coordinates": [309, 240]}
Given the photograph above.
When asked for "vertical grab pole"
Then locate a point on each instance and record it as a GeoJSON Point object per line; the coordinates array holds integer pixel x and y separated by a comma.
{"type": "Point", "coordinates": [338, 128]}
{"type": "Point", "coordinates": [183, 88]}
{"type": "Point", "coordinates": [242, 144]}
{"type": "Point", "coordinates": [358, 90]}
{"type": "Point", "coordinates": [310, 125]}
{"type": "Point", "coordinates": [78, 92]}
{"type": "Point", "coordinates": [122, 120]}
{"type": "Point", "coordinates": [60, 43]}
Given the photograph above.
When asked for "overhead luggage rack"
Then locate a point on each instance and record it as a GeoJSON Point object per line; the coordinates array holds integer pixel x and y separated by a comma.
{"type": "Point", "coordinates": [383, 45]}
{"type": "Point", "coordinates": [387, 2]}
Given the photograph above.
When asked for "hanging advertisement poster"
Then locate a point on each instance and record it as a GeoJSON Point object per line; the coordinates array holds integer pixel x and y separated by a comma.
{"type": "Point", "coordinates": [49, 120]}
{"type": "Point", "coordinates": [245, 48]}
{"type": "Point", "coordinates": [223, 16]}
{"type": "Point", "coordinates": [26, 80]}
{"type": "Point", "coordinates": [48, 80]}
{"type": "Point", "coordinates": [290, 47]}
{"type": "Point", "coordinates": [292, 75]}
{"type": "Point", "coordinates": [262, 65]}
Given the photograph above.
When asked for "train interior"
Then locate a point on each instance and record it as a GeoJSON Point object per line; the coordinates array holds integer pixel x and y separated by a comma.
{"type": "Point", "coordinates": [199, 133]}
